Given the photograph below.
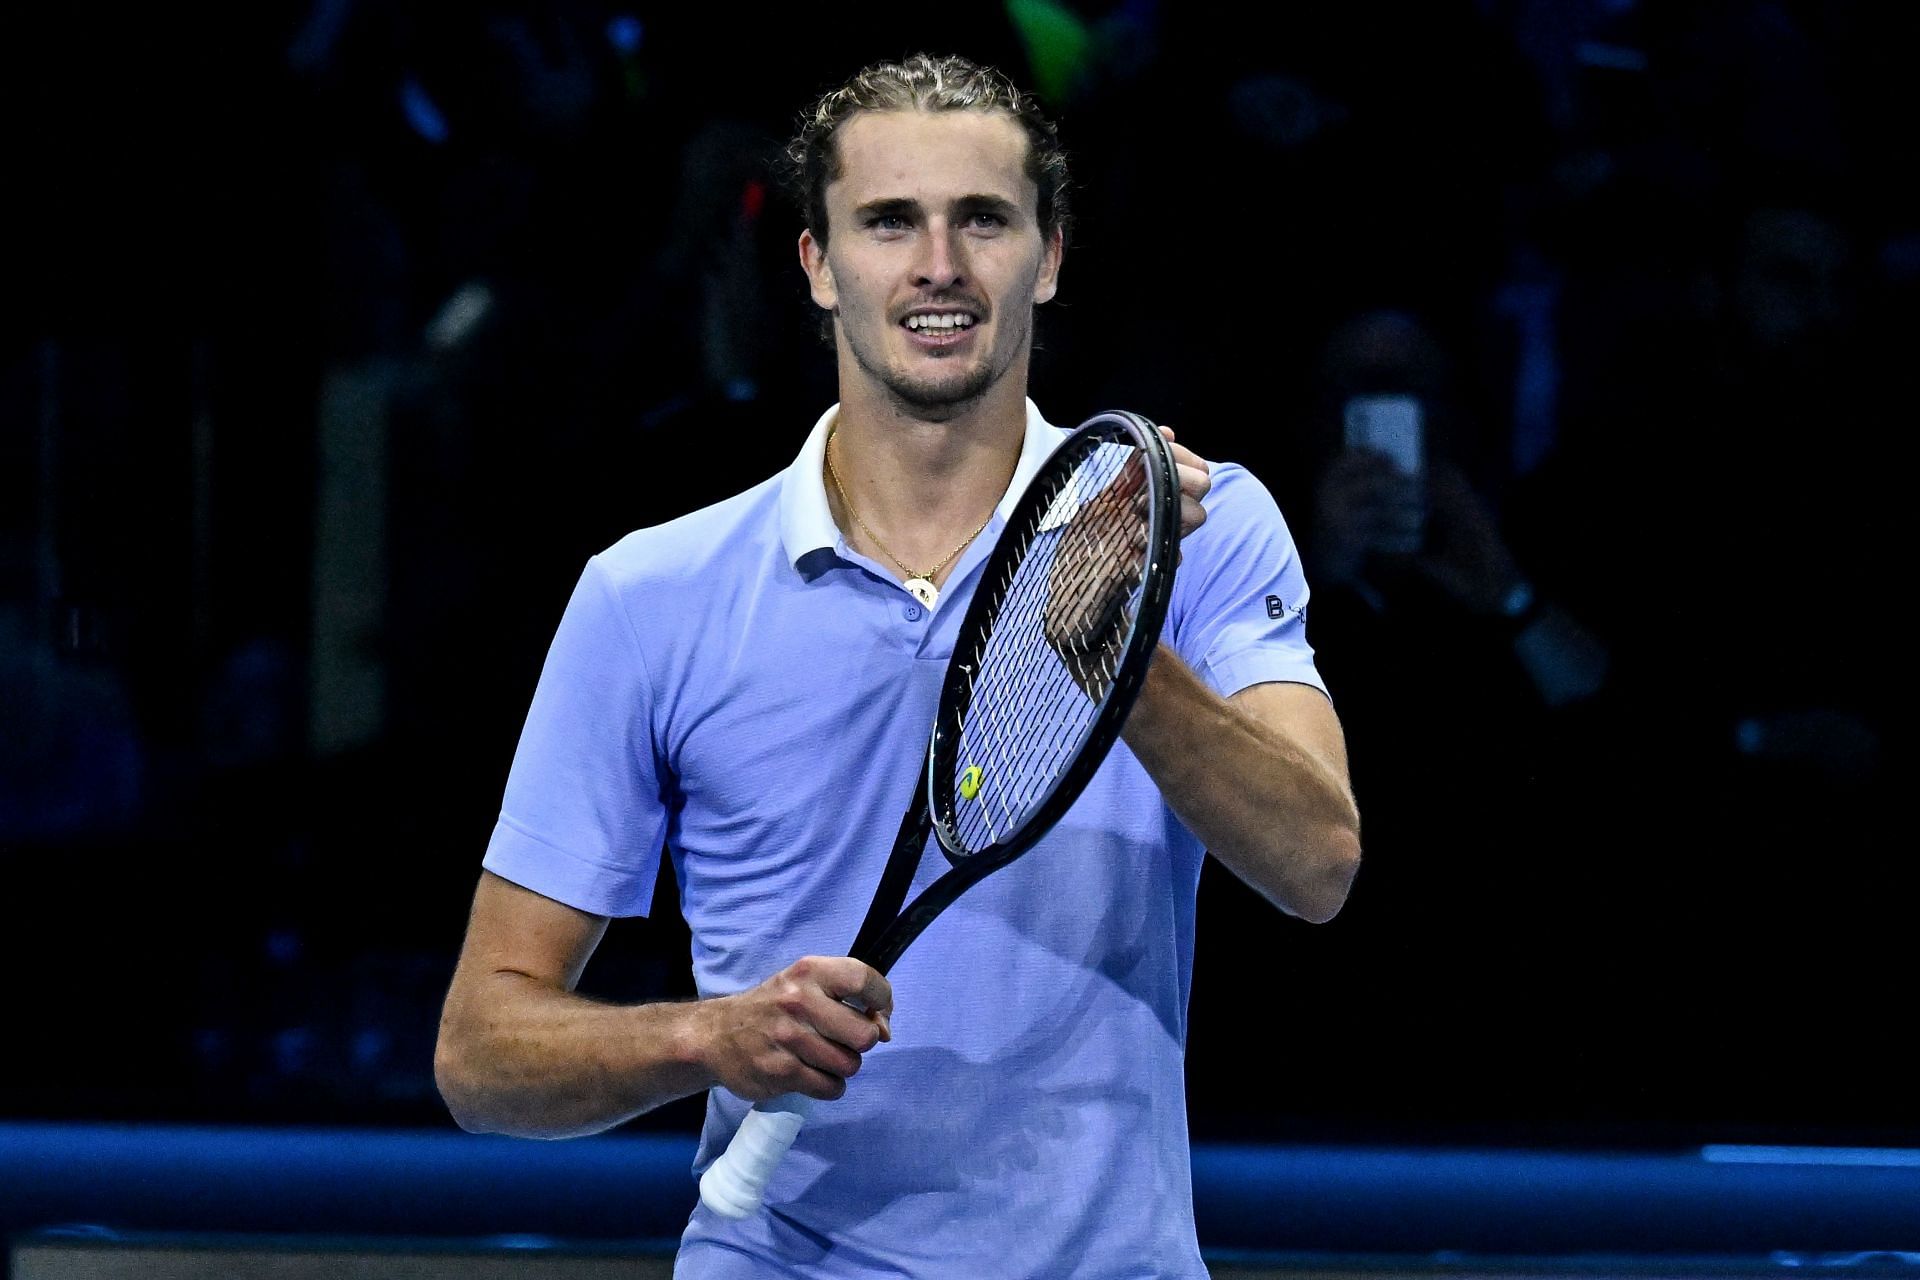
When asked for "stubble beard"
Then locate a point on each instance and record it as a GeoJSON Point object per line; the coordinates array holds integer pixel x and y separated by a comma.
{"type": "Point", "coordinates": [940, 400]}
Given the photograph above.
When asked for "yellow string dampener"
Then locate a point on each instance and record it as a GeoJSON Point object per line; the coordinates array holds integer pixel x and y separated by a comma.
{"type": "Point", "coordinates": [970, 782]}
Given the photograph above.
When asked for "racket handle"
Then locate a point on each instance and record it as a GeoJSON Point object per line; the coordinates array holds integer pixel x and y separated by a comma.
{"type": "Point", "coordinates": [734, 1184]}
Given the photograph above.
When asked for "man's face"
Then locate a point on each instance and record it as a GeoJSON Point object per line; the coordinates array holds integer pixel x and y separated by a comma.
{"type": "Point", "coordinates": [935, 256]}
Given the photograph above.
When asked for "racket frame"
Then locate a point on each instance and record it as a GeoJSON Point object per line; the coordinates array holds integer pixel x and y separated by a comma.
{"type": "Point", "coordinates": [888, 930]}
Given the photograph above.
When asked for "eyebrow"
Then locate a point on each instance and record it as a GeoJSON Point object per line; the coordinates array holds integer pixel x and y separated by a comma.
{"type": "Point", "coordinates": [884, 207]}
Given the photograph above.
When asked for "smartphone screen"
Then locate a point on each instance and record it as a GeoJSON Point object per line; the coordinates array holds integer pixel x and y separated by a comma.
{"type": "Point", "coordinates": [1391, 425]}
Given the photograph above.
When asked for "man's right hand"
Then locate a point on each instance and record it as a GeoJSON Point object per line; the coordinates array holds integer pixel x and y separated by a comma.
{"type": "Point", "coordinates": [801, 1031]}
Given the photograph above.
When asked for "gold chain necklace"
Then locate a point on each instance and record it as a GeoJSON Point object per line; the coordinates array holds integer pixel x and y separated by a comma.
{"type": "Point", "coordinates": [919, 585]}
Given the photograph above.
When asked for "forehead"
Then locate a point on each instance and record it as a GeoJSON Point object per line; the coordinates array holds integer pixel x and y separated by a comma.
{"type": "Point", "coordinates": [932, 156]}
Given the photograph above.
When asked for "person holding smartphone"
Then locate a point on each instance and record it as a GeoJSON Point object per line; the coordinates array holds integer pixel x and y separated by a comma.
{"type": "Point", "coordinates": [1397, 522]}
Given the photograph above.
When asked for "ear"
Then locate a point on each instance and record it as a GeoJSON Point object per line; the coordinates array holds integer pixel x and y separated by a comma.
{"type": "Point", "coordinates": [813, 260]}
{"type": "Point", "coordinates": [1048, 281]}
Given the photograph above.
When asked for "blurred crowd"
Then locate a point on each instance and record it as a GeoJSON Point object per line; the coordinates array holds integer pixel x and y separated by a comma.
{"type": "Point", "coordinates": [347, 331]}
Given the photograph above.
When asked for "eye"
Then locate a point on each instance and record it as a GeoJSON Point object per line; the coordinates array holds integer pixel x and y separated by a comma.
{"type": "Point", "coordinates": [984, 221]}
{"type": "Point", "coordinates": [887, 222]}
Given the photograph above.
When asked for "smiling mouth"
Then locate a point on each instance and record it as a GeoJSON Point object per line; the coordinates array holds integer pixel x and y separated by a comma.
{"type": "Point", "coordinates": [939, 328]}
{"type": "Point", "coordinates": [939, 321]}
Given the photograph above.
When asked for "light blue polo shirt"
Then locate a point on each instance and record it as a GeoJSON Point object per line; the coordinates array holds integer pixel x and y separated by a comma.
{"type": "Point", "coordinates": [742, 688]}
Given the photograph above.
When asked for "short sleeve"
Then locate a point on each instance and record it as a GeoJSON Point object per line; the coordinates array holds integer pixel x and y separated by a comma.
{"type": "Point", "coordinates": [1240, 597]}
{"type": "Point", "coordinates": [584, 813]}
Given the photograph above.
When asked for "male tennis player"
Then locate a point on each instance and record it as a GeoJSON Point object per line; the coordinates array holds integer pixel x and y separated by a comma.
{"type": "Point", "coordinates": [751, 688]}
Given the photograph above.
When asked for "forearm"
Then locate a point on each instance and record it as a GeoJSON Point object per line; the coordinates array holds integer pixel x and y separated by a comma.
{"type": "Point", "coordinates": [523, 1058]}
{"type": "Point", "coordinates": [1269, 806]}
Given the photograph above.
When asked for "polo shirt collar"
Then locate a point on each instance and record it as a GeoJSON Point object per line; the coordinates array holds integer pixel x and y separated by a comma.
{"type": "Point", "coordinates": [806, 521]}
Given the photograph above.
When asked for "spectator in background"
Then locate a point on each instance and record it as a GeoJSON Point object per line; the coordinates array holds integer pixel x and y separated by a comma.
{"type": "Point", "coordinates": [1471, 682]}
{"type": "Point", "coordinates": [1463, 670]}
{"type": "Point", "coordinates": [1424, 548]}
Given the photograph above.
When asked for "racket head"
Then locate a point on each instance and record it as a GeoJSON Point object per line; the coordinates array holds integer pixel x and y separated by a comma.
{"type": "Point", "coordinates": [1056, 641]}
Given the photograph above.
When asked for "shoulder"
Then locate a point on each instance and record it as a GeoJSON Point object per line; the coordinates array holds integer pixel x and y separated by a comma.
{"type": "Point", "coordinates": [724, 537]}
{"type": "Point", "coordinates": [1239, 507]}
{"type": "Point", "coordinates": [1243, 556]}
{"type": "Point", "coordinates": [1236, 487]}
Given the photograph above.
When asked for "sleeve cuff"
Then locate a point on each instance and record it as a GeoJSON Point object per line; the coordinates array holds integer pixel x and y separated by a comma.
{"type": "Point", "coordinates": [566, 877]}
{"type": "Point", "coordinates": [1229, 675]}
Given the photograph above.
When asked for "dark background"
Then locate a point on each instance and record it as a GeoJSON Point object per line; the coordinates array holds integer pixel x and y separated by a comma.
{"type": "Point", "coordinates": [337, 336]}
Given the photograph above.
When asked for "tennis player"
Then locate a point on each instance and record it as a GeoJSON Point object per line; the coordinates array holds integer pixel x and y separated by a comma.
{"type": "Point", "coordinates": [750, 688]}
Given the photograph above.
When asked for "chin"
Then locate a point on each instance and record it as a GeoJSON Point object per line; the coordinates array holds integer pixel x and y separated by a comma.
{"type": "Point", "coordinates": [951, 394]}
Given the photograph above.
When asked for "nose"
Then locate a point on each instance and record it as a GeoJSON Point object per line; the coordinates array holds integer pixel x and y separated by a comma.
{"type": "Point", "coordinates": [942, 260]}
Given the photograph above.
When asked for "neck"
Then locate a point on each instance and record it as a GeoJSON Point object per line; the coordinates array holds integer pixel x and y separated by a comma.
{"type": "Point", "coordinates": [922, 486]}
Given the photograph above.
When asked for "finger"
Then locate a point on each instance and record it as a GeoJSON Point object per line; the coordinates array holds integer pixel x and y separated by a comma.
{"type": "Point", "coordinates": [1192, 515]}
{"type": "Point", "coordinates": [1195, 482]}
{"type": "Point", "coordinates": [828, 1086]}
{"type": "Point", "coordinates": [844, 978]}
{"type": "Point", "coordinates": [855, 1030]}
{"type": "Point", "coordinates": [825, 1054]}
{"type": "Point", "coordinates": [1361, 458]}
{"type": "Point", "coordinates": [1183, 454]}
{"type": "Point", "coordinates": [876, 993]}
{"type": "Point", "coordinates": [1184, 457]}
{"type": "Point", "coordinates": [872, 1000]}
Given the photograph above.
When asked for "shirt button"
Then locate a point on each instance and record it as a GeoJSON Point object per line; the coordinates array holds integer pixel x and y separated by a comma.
{"type": "Point", "coordinates": [913, 612]}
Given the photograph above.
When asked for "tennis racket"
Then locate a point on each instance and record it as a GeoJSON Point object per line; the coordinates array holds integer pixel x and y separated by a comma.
{"type": "Point", "coordinates": [1045, 667]}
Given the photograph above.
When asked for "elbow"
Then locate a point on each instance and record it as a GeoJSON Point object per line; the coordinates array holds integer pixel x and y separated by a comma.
{"type": "Point", "coordinates": [1331, 879]}
{"type": "Point", "coordinates": [456, 1086]}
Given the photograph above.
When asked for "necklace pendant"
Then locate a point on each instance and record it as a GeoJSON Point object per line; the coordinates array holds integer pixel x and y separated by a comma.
{"type": "Point", "coordinates": [923, 591]}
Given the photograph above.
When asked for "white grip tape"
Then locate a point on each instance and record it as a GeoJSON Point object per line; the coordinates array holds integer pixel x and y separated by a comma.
{"type": "Point", "coordinates": [734, 1184]}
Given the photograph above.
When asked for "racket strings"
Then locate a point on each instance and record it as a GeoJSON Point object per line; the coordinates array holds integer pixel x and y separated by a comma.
{"type": "Point", "coordinates": [1040, 677]}
{"type": "Point", "coordinates": [1045, 706]}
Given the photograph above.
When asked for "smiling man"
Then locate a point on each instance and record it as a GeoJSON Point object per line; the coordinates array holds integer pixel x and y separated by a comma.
{"type": "Point", "coordinates": [746, 688]}
{"type": "Point", "coordinates": [933, 284]}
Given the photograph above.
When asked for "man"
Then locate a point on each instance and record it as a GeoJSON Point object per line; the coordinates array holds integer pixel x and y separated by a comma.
{"type": "Point", "coordinates": [750, 686]}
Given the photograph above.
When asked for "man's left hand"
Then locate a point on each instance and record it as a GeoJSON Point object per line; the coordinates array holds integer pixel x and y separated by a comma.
{"type": "Point", "coordinates": [1195, 475]}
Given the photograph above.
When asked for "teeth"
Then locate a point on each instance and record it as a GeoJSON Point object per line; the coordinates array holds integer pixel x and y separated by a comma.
{"type": "Point", "coordinates": [946, 320]}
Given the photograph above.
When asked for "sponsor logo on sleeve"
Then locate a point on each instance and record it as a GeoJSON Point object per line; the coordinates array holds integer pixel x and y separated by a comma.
{"type": "Point", "coordinates": [1277, 608]}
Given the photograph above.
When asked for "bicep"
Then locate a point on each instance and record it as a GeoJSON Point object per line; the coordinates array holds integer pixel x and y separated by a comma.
{"type": "Point", "coordinates": [1304, 716]}
{"type": "Point", "coordinates": [515, 930]}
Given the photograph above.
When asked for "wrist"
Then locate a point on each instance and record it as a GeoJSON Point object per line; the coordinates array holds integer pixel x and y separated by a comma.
{"type": "Point", "coordinates": [688, 1040]}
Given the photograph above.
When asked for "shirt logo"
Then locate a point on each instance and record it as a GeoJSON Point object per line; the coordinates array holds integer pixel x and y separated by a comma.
{"type": "Point", "coordinates": [1277, 608]}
